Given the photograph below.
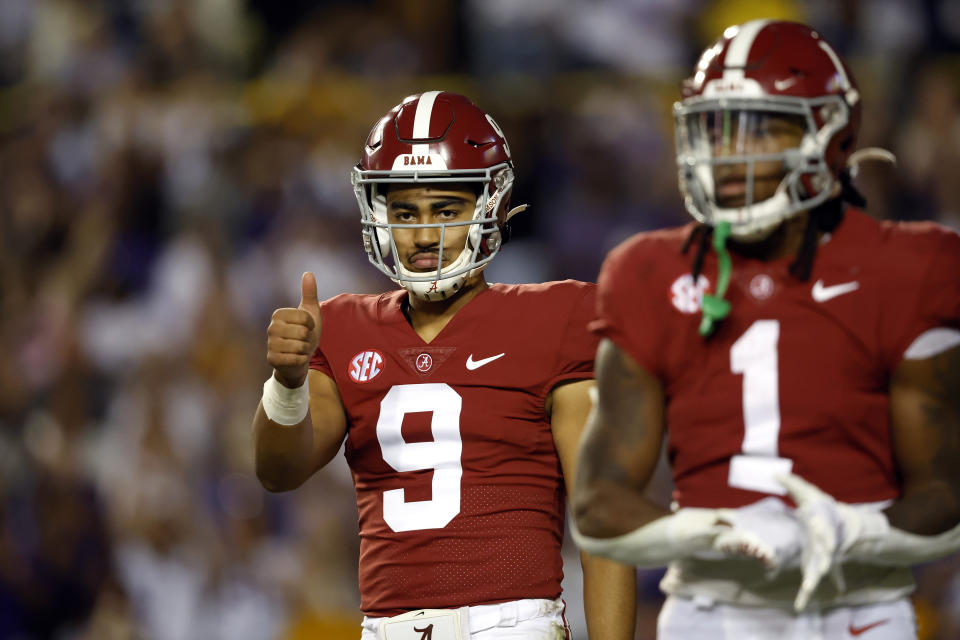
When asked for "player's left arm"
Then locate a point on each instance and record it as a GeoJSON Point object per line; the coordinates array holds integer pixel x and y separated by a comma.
{"type": "Point", "coordinates": [925, 399]}
{"type": "Point", "coordinates": [610, 588]}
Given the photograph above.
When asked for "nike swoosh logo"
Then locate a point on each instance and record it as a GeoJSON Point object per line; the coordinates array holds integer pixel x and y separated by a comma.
{"type": "Point", "coordinates": [476, 364]}
{"type": "Point", "coordinates": [822, 294]}
{"type": "Point", "coordinates": [783, 85]}
{"type": "Point", "coordinates": [856, 631]}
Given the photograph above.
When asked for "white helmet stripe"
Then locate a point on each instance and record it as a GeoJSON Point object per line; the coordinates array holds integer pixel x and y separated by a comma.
{"type": "Point", "coordinates": [739, 49]}
{"type": "Point", "coordinates": [421, 121]}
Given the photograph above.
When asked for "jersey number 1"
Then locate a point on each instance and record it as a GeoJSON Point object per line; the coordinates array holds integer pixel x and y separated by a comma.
{"type": "Point", "coordinates": [442, 455]}
{"type": "Point", "coordinates": [754, 354]}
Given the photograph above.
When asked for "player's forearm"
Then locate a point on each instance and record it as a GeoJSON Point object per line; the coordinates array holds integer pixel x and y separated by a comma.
{"type": "Point", "coordinates": [608, 497]}
{"type": "Point", "coordinates": [922, 526]}
{"type": "Point", "coordinates": [925, 431]}
{"type": "Point", "coordinates": [929, 511]}
{"type": "Point", "coordinates": [604, 509]}
{"type": "Point", "coordinates": [283, 454]}
{"type": "Point", "coordinates": [609, 598]}
{"type": "Point", "coordinates": [619, 448]}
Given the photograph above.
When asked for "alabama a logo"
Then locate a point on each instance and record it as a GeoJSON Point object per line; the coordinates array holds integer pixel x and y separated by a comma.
{"type": "Point", "coordinates": [426, 631]}
{"type": "Point", "coordinates": [424, 362]}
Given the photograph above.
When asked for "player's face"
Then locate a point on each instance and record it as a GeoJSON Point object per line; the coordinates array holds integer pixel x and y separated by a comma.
{"type": "Point", "coordinates": [737, 133]}
{"type": "Point", "coordinates": [419, 247]}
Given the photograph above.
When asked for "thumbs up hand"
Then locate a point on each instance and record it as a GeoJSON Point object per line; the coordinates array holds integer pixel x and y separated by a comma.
{"type": "Point", "coordinates": [293, 336]}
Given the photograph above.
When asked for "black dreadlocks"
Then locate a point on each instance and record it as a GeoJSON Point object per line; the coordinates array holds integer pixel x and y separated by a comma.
{"type": "Point", "coordinates": [701, 235]}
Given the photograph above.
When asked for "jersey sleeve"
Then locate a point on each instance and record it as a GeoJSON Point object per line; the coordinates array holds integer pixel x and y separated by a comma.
{"type": "Point", "coordinates": [318, 361]}
{"type": "Point", "coordinates": [578, 346]}
{"type": "Point", "coordinates": [935, 298]}
{"type": "Point", "coordinates": [624, 314]}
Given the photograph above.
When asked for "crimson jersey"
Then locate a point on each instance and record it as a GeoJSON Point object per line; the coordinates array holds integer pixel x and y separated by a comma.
{"type": "Point", "coordinates": [796, 378]}
{"type": "Point", "coordinates": [458, 483]}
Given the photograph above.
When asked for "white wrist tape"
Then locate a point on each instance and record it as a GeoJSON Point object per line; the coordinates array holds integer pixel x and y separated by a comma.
{"type": "Point", "coordinates": [684, 533]}
{"type": "Point", "coordinates": [284, 405]}
{"type": "Point", "coordinates": [877, 542]}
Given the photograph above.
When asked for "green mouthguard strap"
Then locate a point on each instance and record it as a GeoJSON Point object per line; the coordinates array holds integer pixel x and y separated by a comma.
{"type": "Point", "coordinates": [714, 307]}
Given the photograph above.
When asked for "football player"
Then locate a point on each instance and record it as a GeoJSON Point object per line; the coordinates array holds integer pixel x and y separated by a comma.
{"type": "Point", "coordinates": [801, 359]}
{"type": "Point", "coordinates": [461, 402]}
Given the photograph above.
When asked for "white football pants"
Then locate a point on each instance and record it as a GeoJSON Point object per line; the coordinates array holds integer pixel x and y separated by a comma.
{"type": "Point", "coordinates": [684, 619]}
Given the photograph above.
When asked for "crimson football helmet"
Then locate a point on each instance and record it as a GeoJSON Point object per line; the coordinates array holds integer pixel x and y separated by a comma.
{"type": "Point", "coordinates": [429, 138]}
{"type": "Point", "coordinates": [755, 74]}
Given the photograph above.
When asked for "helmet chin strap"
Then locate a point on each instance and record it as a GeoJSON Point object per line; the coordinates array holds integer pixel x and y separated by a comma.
{"type": "Point", "coordinates": [714, 308]}
{"type": "Point", "coordinates": [442, 288]}
{"type": "Point", "coordinates": [765, 216]}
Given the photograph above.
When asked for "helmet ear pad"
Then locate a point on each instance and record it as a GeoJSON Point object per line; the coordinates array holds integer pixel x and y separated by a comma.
{"type": "Point", "coordinates": [492, 243]}
{"type": "Point", "coordinates": [498, 194]}
{"type": "Point", "coordinates": [843, 141]}
{"type": "Point", "coordinates": [494, 239]}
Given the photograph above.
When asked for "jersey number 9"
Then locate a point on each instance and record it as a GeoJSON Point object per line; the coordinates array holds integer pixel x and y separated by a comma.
{"type": "Point", "coordinates": [442, 455]}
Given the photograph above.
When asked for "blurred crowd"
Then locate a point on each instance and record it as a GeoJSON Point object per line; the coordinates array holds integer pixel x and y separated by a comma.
{"type": "Point", "coordinates": [168, 168]}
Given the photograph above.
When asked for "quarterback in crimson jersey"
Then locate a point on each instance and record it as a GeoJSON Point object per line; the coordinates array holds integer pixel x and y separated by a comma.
{"type": "Point", "coordinates": [465, 505]}
{"type": "Point", "coordinates": [802, 359]}
{"type": "Point", "coordinates": [461, 403]}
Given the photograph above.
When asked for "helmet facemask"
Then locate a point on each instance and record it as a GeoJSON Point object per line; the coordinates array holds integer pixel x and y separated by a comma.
{"type": "Point", "coordinates": [736, 132]}
{"type": "Point", "coordinates": [483, 238]}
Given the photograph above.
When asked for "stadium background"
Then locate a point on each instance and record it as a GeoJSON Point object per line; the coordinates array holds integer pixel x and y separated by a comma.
{"type": "Point", "coordinates": [168, 168]}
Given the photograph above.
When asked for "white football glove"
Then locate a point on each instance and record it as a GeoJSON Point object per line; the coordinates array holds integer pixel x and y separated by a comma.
{"type": "Point", "coordinates": [657, 543]}
{"type": "Point", "coordinates": [831, 528]}
{"type": "Point", "coordinates": [838, 532]}
{"type": "Point", "coordinates": [766, 530]}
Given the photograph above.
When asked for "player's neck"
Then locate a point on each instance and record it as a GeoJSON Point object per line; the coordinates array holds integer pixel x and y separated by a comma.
{"type": "Point", "coordinates": [428, 318]}
{"type": "Point", "coordinates": [784, 241]}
